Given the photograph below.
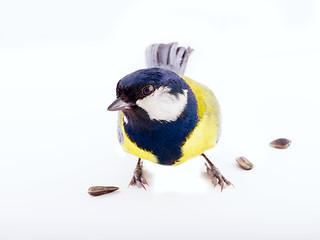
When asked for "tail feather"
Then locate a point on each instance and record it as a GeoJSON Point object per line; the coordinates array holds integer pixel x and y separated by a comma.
{"type": "Point", "coordinates": [168, 56]}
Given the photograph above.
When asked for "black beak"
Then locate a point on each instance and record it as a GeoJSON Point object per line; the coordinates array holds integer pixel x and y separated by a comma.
{"type": "Point", "coordinates": [119, 104]}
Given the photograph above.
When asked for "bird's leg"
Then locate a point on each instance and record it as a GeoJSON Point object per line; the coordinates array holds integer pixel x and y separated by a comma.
{"type": "Point", "coordinates": [138, 178]}
{"type": "Point", "coordinates": [215, 175]}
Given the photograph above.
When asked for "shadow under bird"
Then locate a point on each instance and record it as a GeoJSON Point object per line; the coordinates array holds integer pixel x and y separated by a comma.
{"type": "Point", "coordinates": [164, 116]}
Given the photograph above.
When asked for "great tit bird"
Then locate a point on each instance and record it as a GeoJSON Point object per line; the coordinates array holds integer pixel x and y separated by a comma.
{"type": "Point", "coordinates": [165, 117]}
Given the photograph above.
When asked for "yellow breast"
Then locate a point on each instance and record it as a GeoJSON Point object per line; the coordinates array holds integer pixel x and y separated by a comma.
{"type": "Point", "coordinates": [207, 131]}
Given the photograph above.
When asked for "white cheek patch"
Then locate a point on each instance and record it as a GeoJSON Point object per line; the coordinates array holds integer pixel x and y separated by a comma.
{"type": "Point", "coordinates": [161, 105]}
{"type": "Point", "coordinates": [125, 119]}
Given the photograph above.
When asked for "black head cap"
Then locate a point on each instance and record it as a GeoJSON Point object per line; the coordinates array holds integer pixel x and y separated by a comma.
{"type": "Point", "coordinates": [141, 83]}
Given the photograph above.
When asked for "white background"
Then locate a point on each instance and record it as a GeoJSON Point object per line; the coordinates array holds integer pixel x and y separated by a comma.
{"type": "Point", "coordinates": [59, 65]}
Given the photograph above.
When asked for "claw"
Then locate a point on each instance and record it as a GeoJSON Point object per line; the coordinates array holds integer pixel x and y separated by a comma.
{"type": "Point", "coordinates": [226, 181]}
{"type": "Point", "coordinates": [215, 182]}
{"type": "Point", "coordinates": [138, 178]}
{"type": "Point", "coordinates": [215, 175]}
{"type": "Point", "coordinates": [222, 186]}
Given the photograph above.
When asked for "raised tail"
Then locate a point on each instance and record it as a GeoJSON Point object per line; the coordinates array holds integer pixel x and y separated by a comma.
{"type": "Point", "coordinates": [168, 56]}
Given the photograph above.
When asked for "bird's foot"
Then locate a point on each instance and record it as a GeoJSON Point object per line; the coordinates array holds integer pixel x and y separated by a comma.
{"type": "Point", "coordinates": [215, 175]}
{"type": "Point", "coordinates": [138, 178]}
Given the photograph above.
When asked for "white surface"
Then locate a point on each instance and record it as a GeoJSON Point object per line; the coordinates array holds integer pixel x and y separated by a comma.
{"type": "Point", "coordinates": [59, 65]}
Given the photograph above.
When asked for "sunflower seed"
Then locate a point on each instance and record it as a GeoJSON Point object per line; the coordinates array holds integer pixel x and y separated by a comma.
{"type": "Point", "coordinates": [244, 163]}
{"type": "Point", "coordinates": [100, 190]}
{"type": "Point", "coordinates": [280, 143]}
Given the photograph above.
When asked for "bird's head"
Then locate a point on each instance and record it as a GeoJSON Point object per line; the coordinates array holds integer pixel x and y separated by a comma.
{"type": "Point", "coordinates": [160, 94]}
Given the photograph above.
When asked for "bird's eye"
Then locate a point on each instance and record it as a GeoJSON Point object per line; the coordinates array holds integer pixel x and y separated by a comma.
{"type": "Point", "coordinates": [147, 90]}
